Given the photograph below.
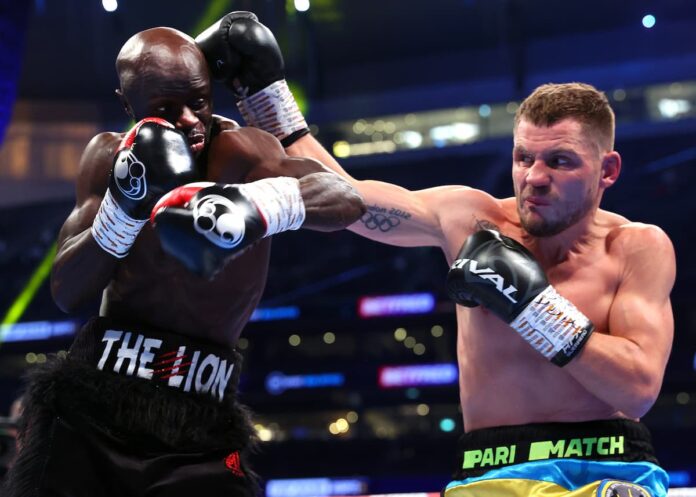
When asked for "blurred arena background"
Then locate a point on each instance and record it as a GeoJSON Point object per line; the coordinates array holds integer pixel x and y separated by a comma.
{"type": "Point", "coordinates": [350, 361]}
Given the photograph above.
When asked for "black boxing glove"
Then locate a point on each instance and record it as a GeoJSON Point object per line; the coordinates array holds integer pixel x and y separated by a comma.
{"type": "Point", "coordinates": [244, 54]}
{"type": "Point", "coordinates": [204, 225]}
{"type": "Point", "coordinates": [498, 273]}
{"type": "Point", "coordinates": [153, 158]}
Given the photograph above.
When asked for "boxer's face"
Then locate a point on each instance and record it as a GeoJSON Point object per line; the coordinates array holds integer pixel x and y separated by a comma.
{"type": "Point", "coordinates": [557, 175]}
{"type": "Point", "coordinates": [175, 87]}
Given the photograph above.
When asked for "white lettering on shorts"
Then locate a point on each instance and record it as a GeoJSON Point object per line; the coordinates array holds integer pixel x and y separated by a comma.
{"type": "Point", "coordinates": [179, 369]}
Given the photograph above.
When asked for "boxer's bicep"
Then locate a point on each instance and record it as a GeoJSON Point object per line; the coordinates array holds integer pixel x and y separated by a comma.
{"type": "Point", "coordinates": [296, 167]}
{"type": "Point", "coordinates": [71, 284]}
{"type": "Point", "coordinates": [641, 311]}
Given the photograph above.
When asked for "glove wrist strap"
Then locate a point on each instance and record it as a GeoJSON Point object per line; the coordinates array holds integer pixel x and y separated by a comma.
{"type": "Point", "coordinates": [279, 202]}
{"type": "Point", "coordinates": [113, 229]}
{"type": "Point", "coordinates": [553, 326]}
{"type": "Point", "coordinates": [275, 110]}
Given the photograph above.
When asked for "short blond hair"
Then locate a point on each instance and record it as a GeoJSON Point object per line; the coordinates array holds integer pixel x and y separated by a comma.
{"type": "Point", "coordinates": [551, 103]}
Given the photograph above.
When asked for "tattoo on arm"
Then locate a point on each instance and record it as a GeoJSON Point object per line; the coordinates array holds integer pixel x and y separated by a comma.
{"type": "Point", "coordinates": [383, 218]}
{"type": "Point", "coordinates": [484, 224]}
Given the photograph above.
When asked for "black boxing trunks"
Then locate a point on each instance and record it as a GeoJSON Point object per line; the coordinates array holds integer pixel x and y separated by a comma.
{"type": "Point", "coordinates": [133, 411]}
{"type": "Point", "coordinates": [591, 459]}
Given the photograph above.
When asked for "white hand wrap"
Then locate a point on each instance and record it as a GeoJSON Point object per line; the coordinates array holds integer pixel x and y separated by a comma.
{"type": "Point", "coordinates": [114, 230]}
{"type": "Point", "coordinates": [273, 109]}
{"type": "Point", "coordinates": [553, 326]}
{"type": "Point", "coordinates": [279, 201]}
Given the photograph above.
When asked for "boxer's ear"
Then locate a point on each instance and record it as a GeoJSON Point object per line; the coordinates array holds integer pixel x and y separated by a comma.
{"type": "Point", "coordinates": [124, 103]}
{"type": "Point", "coordinates": [611, 168]}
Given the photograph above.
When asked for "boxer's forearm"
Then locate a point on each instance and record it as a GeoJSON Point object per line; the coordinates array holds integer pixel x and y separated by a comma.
{"type": "Point", "coordinates": [618, 372]}
{"type": "Point", "coordinates": [330, 202]}
{"type": "Point", "coordinates": [80, 271]}
{"type": "Point", "coordinates": [396, 215]}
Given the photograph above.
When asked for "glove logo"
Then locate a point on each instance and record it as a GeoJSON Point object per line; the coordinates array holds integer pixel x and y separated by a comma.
{"type": "Point", "coordinates": [129, 174]}
{"type": "Point", "coordinates": [220, 220]}
{"type": "Point", "coordinates": [488, 274]}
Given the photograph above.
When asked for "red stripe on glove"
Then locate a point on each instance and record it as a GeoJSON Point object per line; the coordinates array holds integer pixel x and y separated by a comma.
{"type": "Point", "coordinates": [178, 197]}
{"type": "Point", "coordinates": [130, 136]}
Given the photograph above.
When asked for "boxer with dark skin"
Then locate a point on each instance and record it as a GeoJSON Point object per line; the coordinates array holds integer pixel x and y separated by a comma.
{"type": "Point", "coordinates": [145, 401]}
{"type": "Point", "coordinates": [163, 74]}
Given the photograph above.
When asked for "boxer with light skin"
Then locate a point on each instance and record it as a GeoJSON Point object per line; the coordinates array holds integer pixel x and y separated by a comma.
{"type": "Point", "coordinates": [172, 229]}
{"type": "Point", "coordinates": [564, 324]}
{"type": "Point", "coordinates": [602, 263]}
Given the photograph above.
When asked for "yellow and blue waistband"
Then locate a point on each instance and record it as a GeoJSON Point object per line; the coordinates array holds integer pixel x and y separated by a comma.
{"type": "Point", "coordinates": [553, 459]}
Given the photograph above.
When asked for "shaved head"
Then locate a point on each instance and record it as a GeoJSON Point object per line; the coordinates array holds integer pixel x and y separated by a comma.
{"type": "Point", "coordinates": [162, 73]}
{"type": "Point", "coordinates": [156, 50]}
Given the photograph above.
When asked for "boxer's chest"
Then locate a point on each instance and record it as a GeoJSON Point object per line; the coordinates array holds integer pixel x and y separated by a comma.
{"type": "Point", "coordinates": [590, 282]}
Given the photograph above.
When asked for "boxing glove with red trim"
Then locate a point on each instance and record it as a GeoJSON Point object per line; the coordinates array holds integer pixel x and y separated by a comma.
{"type": "Point", "coordinates": [152, 158]}
{"type": "Point", "coordinates": [204, 225]}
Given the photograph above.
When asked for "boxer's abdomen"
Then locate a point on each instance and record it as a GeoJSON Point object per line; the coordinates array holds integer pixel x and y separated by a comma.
{"type": "Point", "coordinates": [158, 291]}
{"type": "Point", "coordinates": [504, 381]}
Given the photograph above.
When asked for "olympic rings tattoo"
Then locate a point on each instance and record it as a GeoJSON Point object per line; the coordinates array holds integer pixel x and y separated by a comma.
{"type": "Point", "coordinates": [379, 221]}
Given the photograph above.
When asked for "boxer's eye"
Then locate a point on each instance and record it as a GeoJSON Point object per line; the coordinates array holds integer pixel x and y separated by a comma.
{"type": "Point", "coordinates": [525, 160]}
{"type": "Point", "coordinates": [198, 104]}
{"type": "Point", "coordinates": [559, 161]}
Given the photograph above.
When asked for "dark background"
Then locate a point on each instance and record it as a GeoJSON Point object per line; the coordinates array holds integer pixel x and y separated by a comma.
{"type": "Point", "coordinates": [353, 60]}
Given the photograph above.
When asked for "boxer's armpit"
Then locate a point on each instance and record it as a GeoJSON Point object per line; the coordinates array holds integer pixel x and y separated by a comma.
{"type": "Point", "coordinates": [484, 224]}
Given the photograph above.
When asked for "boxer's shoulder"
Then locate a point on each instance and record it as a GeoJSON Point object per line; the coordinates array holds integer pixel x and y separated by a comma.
{"type": "Point", "coordinates": [630, 238]}
{"type": "Point", "coordinates": [463, 211]}
{"type": "Point", "coordinates": [96, 163]}
{"type": "Point", "coordinates": [246, 141]}
{"type": "Point", "coordinates": [471, 207]}
{"type": "Point", "coordinates": [456, 199]}
{"type": "Point", "coordinates": [640, 248]}
{"type": "Point", "coordinates": [224, 123]}
{"type": "Point", "coordinates": [103, 145]}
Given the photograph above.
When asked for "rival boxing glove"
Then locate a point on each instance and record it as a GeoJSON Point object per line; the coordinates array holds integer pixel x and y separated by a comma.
{"type": "Point", "coordinates": [500, 274]}
{"type": "Point", "coordinates": [244, 54]}
{"type": "Point", "coordinates": [153, 158]}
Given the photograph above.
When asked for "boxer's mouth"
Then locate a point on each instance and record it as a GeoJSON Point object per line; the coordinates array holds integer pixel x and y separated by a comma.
{"type": "Point", "coordinates": [196, 142]}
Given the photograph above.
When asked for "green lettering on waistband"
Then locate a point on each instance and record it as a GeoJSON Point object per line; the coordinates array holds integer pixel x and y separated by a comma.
{"type": "Point", "coordinates": [574, 448]}
{"type": "Point", "coordinates": [616, 445]}
{"type": "Point", "coordinates": [501, 455]}
{"type": "Point", "coordinates": [472, 458]}
{"type": "Point", "coordinates": [601, 449]}
{"type": "Point", "coordinates": [544, 450]}
{"type": "Point", "coordinates": [493, 456]}
{"type": "Point", "coordinates": [487, 458]}
{"type": "Point", "coordinates": [589, 445]}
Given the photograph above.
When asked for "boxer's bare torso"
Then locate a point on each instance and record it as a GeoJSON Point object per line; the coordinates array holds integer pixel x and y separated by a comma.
{"type": "Point", "coordinates": [618, 273]}
{"type": "Point", "coordinates": [151, 288]}
{"type": "Point", "coordinates": [503, 381]}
